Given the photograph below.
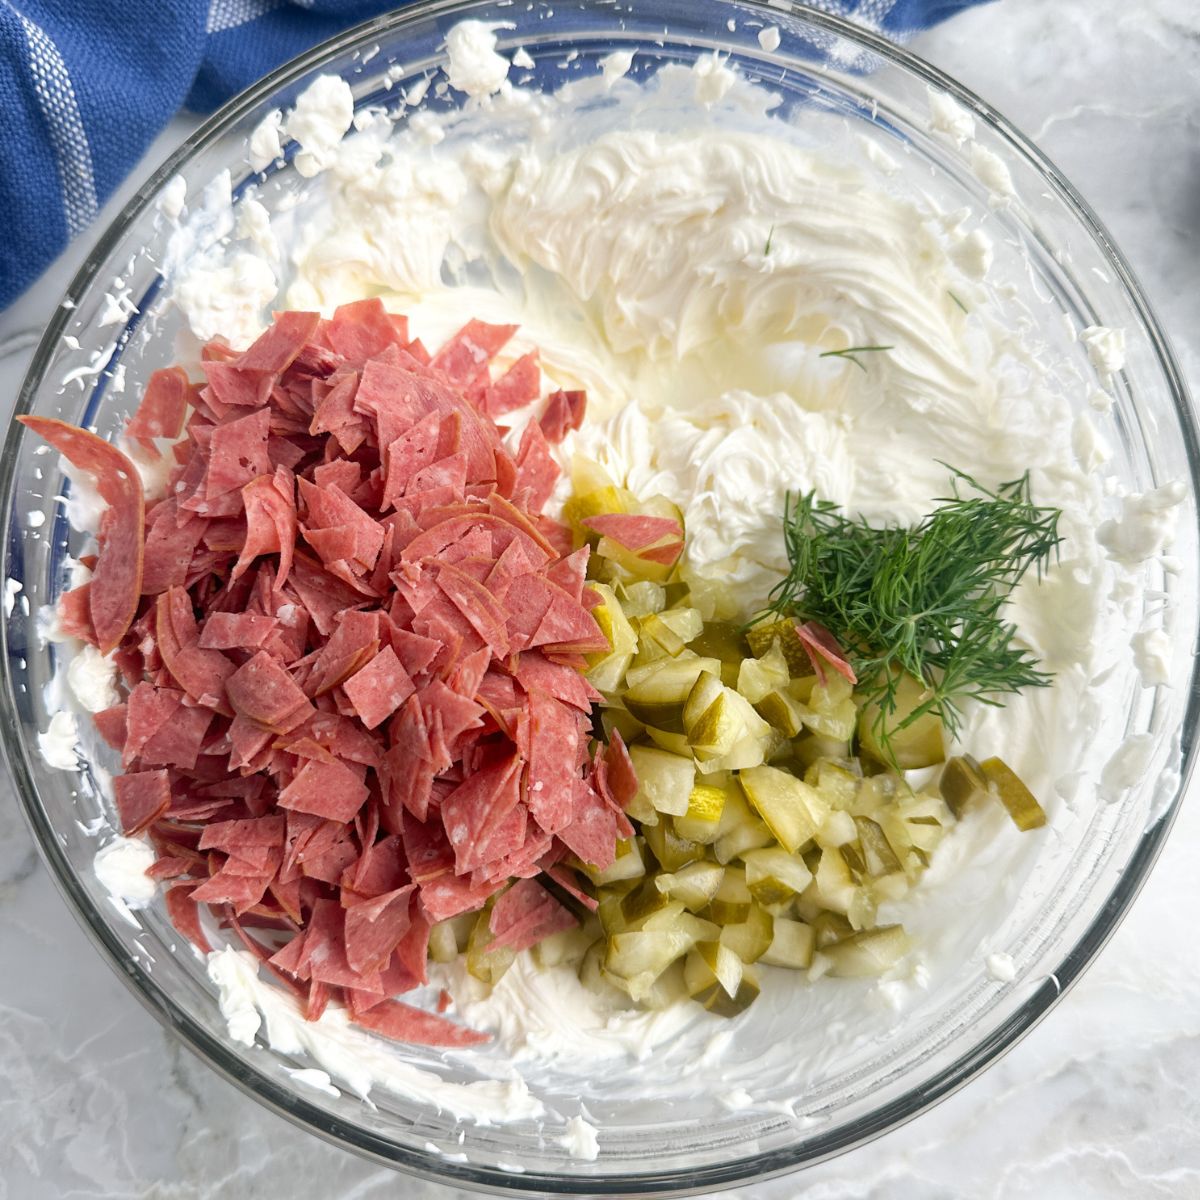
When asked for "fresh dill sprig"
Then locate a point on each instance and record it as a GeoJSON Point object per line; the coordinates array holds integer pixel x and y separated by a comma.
{"type": "Point", "coordinates": [925, 600]}
{"type": "Point", "coordinates": [767, 247]}
{"type": "Point", "coordinates": [851, 352]}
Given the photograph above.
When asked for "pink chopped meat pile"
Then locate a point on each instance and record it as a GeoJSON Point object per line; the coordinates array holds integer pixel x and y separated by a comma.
{"type": "Point", "coordinates": [352, 648]}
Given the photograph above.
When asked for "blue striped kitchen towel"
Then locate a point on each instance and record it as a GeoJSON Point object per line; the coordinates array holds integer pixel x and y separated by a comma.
{"type": "Point", "coordinates": [86, 84]}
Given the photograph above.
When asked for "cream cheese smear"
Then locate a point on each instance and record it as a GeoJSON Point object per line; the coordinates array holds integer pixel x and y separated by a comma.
{"type": "Point", "coordinates": [691, 263]}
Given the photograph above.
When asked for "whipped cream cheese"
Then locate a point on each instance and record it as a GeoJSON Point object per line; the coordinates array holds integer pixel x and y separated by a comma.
{"type": "Point", "coordinates": [475, 67]}
{"type": "Point", "coordinates": [346, 1053]}
{"type": "Point", "coordinates": [121, 867]}
{"type": "Point", "coordinates": [948, 117]}
{"type": "Point", "coordinates": [57, 742]}
{"type": "Point", "coordinates": [698, 279]}
{"type": "Point", "coordinates": [92, 678]}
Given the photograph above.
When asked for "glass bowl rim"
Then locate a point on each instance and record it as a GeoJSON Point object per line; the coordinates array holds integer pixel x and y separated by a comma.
{"type": "Point", "coordinates": [287, 1102]}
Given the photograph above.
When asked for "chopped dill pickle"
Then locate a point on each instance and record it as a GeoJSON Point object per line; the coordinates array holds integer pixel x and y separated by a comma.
{"type": "Point", "coordinates": [644, 901]}
{"type": "Point", "coordinates": [702, 821]}
{"type": "Point", "coordinates": [707, 689]}
{"type": "Point", "coordinates": [667, 990]}
{"type": "Point", "coordinates": [658, 696]}
{"type": "Point", "coordinates": [607, 670]}
{"type": "Point", "coordinates": [694, 885]}
{"type": "Point", "coordinates": [726, 912]}
{"type": "Point", "coordinates": [640, 956]}
{"type": "Point", "coordinates": [706, 803]}
{"type": "Point", "coordinates": [809, 748]}
{"type": "Point", "coordinates": [792, 810]}
{"type": "Point", "coordinates": [627, 865]}
{"type": "Point", "coordinates": [673, 743]}
{"type": "Point", "coordinates": [724, 641]}
{"type": "Point", "coordinates": [632, 562]}
{"type": "Point", "coordinates": [832, 712]}
{"type": "Point", "coordinates": [735, 860]}
{"type": "Point", "coordinates": [672, 851]}
{"type": "Point", "coordinates": [566, 946]}
{"type": "Point", "coordinates": [837, 830]}
{"type": "Point", "coordinates": [640, 598]}
{"type": "Point", "coordinates": [761, 638]}
{"type": "Point", "coordinates": [711, 965]}
{"type": "Point", "coordinates": [676, 594]}
{"type": "Point", "coordinates": [676, 919]}
{"type": "Point", "coordinates": [868, 953]}
{"type": "Point", "coordinates": [718, 728]}
{"type": "Point", "coordinates": [838, 780]}
{"type": "Point", "coordinates": [591, 971]}
{"type": "Point", "coordinates": [767, 673]}
{"type": "Point", "coordinates": [660, 506]}
{"type": "Point", "coordinates": [657, 637]}
{"type": "Point", "coordinates": [792, 945]}
{"type": "Point", "coordinates": [863, 908]}
{"type": "Point", "coordinates": [1006, 786]}
{"type": "Point", "coordinates": [625, 723]}
{"type": "Point", "coordinates": [833, 886]}
{"type": "Point", "coordinates": [751, 937]}
{"type": "Point", "coordinates": [749, 835]}
{"type": "Point", "coordinates": [610, 913]}
{"type": "Point", "coordinates": [830, 927]}
{"type": "Point", "coordinates": [484, 963]}
{"type": "Point", "coordinates": [878, 856]}
{"type": "Point", "coordinates": [443, 945]}
{"type": "Point", "coordinates": [961, 782]}
{"type": "Point", "coordinates": [592, 504]}
{"type": "Point", "coordinates": [781, 711]}
{"type": "Point", "coordinates": [719, 1002]}
{"type": "Point", "coordinates": [921, 743]}
{"type": "Point", "coordinates": [773, 875]}
{"type": "Point", "coordinates": [665, 780]}
{"type": "Point", "coordinates": [734, 886]}
{"type": "Point", "coordinates": [686, 623]}
{"type": "Point", "coordinates": [852, 853]}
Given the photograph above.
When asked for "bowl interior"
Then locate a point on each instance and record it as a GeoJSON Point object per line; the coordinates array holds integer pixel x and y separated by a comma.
{"type": "Point", "coordinates": [1055, 274]}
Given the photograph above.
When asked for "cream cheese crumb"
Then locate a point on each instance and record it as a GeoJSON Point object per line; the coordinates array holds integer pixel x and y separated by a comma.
{"type": "Point", "coordinates": [1105, 348]}
{"type": "Point", "coordinates": [769, 38]}
{"type": "Point", "coordinates": [264, 146]}
{"type": "Point", "coordinates": [947, 116]}
{"type": "Point", "coordinates": [254, 226]}
{"type": "Point", "coordinates": [1152, 657]}
{"type": "Point", "coordinates": [1145, 527]}
{"type": "Point", "coordinates": [474, 66]}
{"type": "Point", "coordinates": [92, 678]}
{"type": "Point", "coordinates": [990, 169]}
{"type": "Point", "coordinates": [1000, 966]}
{"type": "Point", "coordinates": [229, 300]}
{"type": "Point", "coordinates": [172, 198]}
{"type": "Point", "coordinates": [1127, 766]}
{"type": "Point", "coordinates": [713, 79]}
{"type": "Point", "coordinates": [121, 868]}
{"type": "Point", "coordinates": [323, 113]}
{"type": "Point", "coordinates": [616, 65]}
{"type": "Point", "coordinates": [57, 742]}
{"type": "Point", "coordinates": [580, 1140]}
{"type": "Point", "coordinates": [314, 1077]}
{"type": "Point", "coordinates": [973, 254]}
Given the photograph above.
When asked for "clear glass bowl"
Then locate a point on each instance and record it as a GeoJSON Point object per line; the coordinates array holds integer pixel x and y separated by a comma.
{"type": "Point", "coordinates": [834, 82]}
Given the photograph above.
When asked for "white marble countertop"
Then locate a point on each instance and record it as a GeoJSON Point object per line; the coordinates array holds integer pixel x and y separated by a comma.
{"type": "Point", "coordinates": [97, 1100]}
